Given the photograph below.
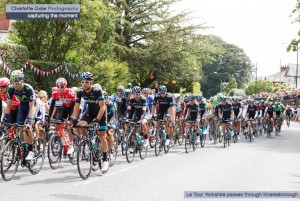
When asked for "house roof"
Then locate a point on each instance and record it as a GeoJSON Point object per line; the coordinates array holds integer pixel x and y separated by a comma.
{"type": "Point", "coordinates": [278, 77]}
{"type": "Point", "coordinates": [292, 70]}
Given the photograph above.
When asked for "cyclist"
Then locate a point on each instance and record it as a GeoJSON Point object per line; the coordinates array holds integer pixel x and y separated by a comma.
{"type": "Point", "coordinates": [269, 114]}
{"type": "Point", "coordinates": [24, 92]}
{"type": "Point", "coordinates": [139, 104]}
{"type": "Point", "coordinates": [111, 122]}
{"type": "Point", "coordinates": [164, 106]}
{"type": "Point", "coordinates": [120, 102]}
{"type": "Point", "coordinates": [150, 99]}
{"type": "Point", "coordinates": [192, 112]}
{"type": "Point", "coordinates": [95, 112]}
{"type": "Point", "coordinates": [278, 112]}
{"type": "Point", "coordinates": [225, 112]}
{"type": "Point", "coordinates": [67, 97]}
{"type": "Point", "coordinates": [288, 113]}
{"type": "Point", "coordinates": [202, 110]}
{"type": "Point", "coordinates": [237, 110]}
{"type": "Point", "coordinates": [252, 113]}
{"type": "Point", "coordinates": [4, 85]}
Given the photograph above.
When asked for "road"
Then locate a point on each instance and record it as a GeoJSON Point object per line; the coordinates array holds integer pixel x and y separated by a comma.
{"type": "Point", "coordinates": [263, 165]}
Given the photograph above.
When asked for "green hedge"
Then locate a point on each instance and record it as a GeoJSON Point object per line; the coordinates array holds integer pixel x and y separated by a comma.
{"type": "Point", "coordinates": [14, 56]}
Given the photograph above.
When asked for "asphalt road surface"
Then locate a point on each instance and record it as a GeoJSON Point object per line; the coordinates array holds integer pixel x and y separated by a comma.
{"type": "Point", "coordinates": [266, 164]}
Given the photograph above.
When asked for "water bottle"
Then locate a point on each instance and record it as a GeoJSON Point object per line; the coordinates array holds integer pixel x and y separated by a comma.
{"type": "Point", "coordinates": [138, 138]}
{"type": "Point", "coordinates": [165, 135]}
{"type": "Point", "coordinates": [94, 144]}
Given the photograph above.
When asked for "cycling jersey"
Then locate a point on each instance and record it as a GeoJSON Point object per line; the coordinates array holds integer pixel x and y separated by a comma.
{"type": "Point", "coordinates": [121, 105]}
{"type": "Point", "coordinates": [25, 95]}
{"type": "Point", "coordinates": [150, 103]}
{"type": "Point", "coordinates": [202, 109]}
{"type": "Point", "coordinates": [225, 110]}
{"type": "Point", "coordinates": [193, 109]}
{"type": "Point", "coordinates": [270, 111]}
{"type": "Point", "coordinates": [163, 105]}
{"type": "Point", "coordinates": [66, 97]}
{"type": "Point", "coordinates": [110, 110]}
{"type": "Point", "coordinates": [14, 101]}
{"type": "Point", "coordinates": [288, 112]}
{"type": "Point", "coordinates": [278, 110]}
{"type": "Point", "coordinates": [179, 106]}
{"type": "Point", "coordinates": [252, 111]}
{"type": "Point", "coordinates": [92, 99]}
{"type": "Point", "coordinates": [262, 109]}
{"type": "Point", "coordinates": [236, 109]}
{"type": "Point", "coordinates": [137, 106]}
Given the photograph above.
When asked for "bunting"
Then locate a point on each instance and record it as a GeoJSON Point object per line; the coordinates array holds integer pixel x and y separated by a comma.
{"type": "Point", "coordinates": [39, 72]}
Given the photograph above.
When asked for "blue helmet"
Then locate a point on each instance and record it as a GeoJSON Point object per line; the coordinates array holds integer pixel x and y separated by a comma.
{"type": "Point", "coordinates": [86, 76]}
{"type": "Point", "coordinates": [198, 98]}
{"type": "Point", "coordinates": [126, 93]}
{"type": "Point", "coordinates": [162, 89]}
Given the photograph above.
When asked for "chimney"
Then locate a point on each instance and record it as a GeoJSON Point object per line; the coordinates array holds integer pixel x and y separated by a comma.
{"type": "Point", "coordinates": [283, 68]}
{"type": "Point", "coordinates": [4, 23]}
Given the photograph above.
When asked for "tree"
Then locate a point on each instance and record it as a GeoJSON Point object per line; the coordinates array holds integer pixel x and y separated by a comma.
{"type": "Point", "coordinates": [261, 86]}
{"type": "Point", "coordinates": [107, 73]}
{"type": "Point", "coordinates": [85, 41]}
{"type": "Point", "coordinates": [282, 87]}
{"type": "Point", "coordinates": [151, 39]}
{"type": "Point", "coordinates": [231, 84]}
{"type": "Point", "coordinates": [229, 60]}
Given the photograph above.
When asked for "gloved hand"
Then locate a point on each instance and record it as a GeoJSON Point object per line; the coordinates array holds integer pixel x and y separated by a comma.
{"type": "Point", "coordinates": [231, 119]}
{"type": "Point", "coordinates": [96, 121]}
{"type": "Point", "coordinates": [5, 118]}
{"type": "Point", "coordinates": [28, 120]}
{"type": "Point", "coordinates": [74, 122]}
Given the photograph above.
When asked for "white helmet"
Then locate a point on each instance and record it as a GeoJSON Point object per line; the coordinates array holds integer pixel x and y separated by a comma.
{"type": "Point", "coordinates": [177, 96]}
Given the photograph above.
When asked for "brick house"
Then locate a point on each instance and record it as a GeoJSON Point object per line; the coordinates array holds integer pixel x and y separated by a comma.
{"type": "Point", "coordinates": [4, 26]}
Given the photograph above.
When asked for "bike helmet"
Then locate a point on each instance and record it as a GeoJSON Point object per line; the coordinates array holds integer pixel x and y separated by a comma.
{"type": "Point", "coordinates": [4, 82]}
{"type": "Point", "coordinates": [198, 98]}
{"type": "Point", "coordinates": [270, 103]}
{"type": "Point", "coordinates": [86, 76]}
{"type": "Point", "coordinates": [276, 103]}
{"type": "Point", "coordinates": [16, 76]}
{"type": "Point", "coordinates": [223, 99]}
{"type": "Point", "coordinates": [191, 97]}
{"type": "Point", "coordinates": [61, 82]}
{"type": "Point", "coordinates": [126, 93]}
{"type": "Point", "coordinates": [120, 89]}
{"type": "Point", "coordinates": [146, 90]}
{"type": "Point", "coordinates": [97, 86]}
{"type": "Point", "coordinates": [220, 95]}
{"type": "Point", "coordinates": [136, 89]}
{"type": "Point", "coordinates": [162, 89]}
{"type": "Point", "coordinates": [177, 96]}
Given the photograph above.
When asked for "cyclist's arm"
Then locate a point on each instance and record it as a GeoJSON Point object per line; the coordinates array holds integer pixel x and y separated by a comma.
{"type": "Point", "coordinates": [75, 111]}
{"type": "Point", "coordinates": [240, 112]}
{"type": "Point", "coordinates": [102, 109]}
{"type": "Point", "coordinates": [31, 110]}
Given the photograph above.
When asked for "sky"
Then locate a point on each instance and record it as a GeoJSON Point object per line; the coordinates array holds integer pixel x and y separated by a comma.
{"type": "Point", "coordinates": [263, 28]}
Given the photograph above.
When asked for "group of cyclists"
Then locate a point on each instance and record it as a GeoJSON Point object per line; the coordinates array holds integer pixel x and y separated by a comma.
{"type": "Point", "coordinates": [90, 104]}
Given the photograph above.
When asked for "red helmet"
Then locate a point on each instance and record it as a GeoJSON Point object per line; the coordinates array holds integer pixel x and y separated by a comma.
{"type": "Point", "coordinates": [61, 82]}
{"type": "Point", "coordinates": [4, 82]}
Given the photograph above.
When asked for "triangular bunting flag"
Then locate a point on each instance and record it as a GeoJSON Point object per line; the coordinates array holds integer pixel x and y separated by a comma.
{"type": "Point", "coordinates": [55, 70]}
{"type": "Point", "coordinates": [38, 70]}
{"type": "Point", "coordinates": [34, 69]}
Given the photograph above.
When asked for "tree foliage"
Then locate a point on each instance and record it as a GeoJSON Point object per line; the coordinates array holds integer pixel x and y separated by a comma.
{"type": "Point", "coordinates": [261, 86]}
{"type": "Point", "coordinates": [230, 61]}
{"type": "Point", "coordinates": [83, 41]}
{"type": "Point", "coordinates": [110, 74]}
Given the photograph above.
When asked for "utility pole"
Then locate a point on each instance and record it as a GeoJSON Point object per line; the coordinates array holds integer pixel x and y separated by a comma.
{"type": "Point", "coordinates": [255, 78]}
{"type": "Point", "coordinates": [297, 69]}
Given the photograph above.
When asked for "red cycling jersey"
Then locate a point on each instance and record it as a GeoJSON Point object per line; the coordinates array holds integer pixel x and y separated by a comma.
{"type": "Point", "coordinates": [66, 98]}
{"type": "Point", "coordinates": [15, 102]}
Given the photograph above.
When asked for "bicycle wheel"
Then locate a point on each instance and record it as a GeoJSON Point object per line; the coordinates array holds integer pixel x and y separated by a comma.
{"type": "Point", "coordinates": [39, 155]}
{"type": "Point", "coordinates": [249, 133]}
{"type": "Point", "coordinates": [130, 147]}
{"type": "Point", "coordinates": [152, 138]}
{"type": "Point", "coordinates": [219, 134]}
{"type": "Point", "coordinates": [143, 149]}
{"type": "Point", "coordinates": [202, 140]}
{"type": "Point", "coordinates": [73, 156]}
{"type": "Point", "coordinates": [194, 140]}
{"type": "Point", "coordinates": [97, 155]}
{"type": "Point", "coordinates": [55, 149]}
{"type": "Point", "coordinates": [84, 159]}
{"type": "Point", "coordinates": [10, 159]}
{"type": "Point", "coordinates": [158, 143]}
{"type": "Point", "coordinates": [167, 147]}
{"type": "Point", "coordinates": [123, 143]}
{"type": "Point", "coordinates": [225, 139]}
{"type": "Point", "coordinates": [188, 142]}
{"type": "Point", "coordinates": [114, 152]}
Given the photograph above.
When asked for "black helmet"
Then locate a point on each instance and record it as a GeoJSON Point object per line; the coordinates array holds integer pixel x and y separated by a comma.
{"type": "Point", "coordinates": [162, 89]}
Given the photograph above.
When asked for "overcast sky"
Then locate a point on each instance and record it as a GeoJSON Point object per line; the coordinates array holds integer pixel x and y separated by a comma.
{"type": "Point", "coordinates": [263, 28]}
